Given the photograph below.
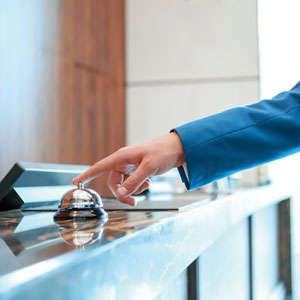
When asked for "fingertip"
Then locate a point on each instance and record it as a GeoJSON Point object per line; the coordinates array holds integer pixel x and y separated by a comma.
{"type": "Point", "coordinates": [79, 178]}
{"type": "Point", "coordinates": [128, 200]}
{"type": "Point", "coordinates": [131, 201]}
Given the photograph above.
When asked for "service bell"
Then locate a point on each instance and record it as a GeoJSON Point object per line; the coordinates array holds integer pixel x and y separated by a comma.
{"type": "Point", "coordinates": [81, 203]}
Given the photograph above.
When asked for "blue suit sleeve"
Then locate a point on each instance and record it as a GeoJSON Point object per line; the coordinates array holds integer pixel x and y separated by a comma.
{"type": "Point", "coordinates": [240, 138]}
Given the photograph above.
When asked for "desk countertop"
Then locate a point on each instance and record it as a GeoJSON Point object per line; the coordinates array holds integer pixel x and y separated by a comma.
{"type": "Point", "coordinates": [133, 253]}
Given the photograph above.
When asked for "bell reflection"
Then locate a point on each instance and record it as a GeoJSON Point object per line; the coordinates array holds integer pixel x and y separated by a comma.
{"type": "Point", "coordinates": [80, 233]}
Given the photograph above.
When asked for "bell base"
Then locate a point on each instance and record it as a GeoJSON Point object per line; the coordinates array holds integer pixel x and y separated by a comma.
{"type": "Point", "coordinates": [74, 213]}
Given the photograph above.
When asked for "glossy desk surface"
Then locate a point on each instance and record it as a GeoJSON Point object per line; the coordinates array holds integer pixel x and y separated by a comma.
{"type": "Point", "coordinates": [31, 237]}
{"type": "Point", "coordinates": [134, 253]}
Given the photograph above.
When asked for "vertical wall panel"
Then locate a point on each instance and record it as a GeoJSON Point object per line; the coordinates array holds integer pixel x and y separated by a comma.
{"type": "Point", "coordinates": [187, 59]}
{"type": "Point", "coordinates": [154, 110]}
{"type": "Point", "coordinates": [61, 81]}
{"type": "Point", "coordinates": [177, 290]}
{"type": "Point", "coordinates": [224, 267]}
{"type": "Point", "coordinates": [280, 70]}
{"type": "Point", "coordinates": [265, 252]}
{"type": "Point", "coordinates": [180, 39]}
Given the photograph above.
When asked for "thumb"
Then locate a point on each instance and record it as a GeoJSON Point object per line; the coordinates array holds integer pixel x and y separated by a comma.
{"type": "Point", "coordinates": [134, 181]}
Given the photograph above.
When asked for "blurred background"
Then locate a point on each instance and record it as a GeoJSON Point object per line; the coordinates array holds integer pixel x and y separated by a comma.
{"type": "Point", "coordinates": [61, 81]}
{"type": "Point", "coordinates": [80, 79]}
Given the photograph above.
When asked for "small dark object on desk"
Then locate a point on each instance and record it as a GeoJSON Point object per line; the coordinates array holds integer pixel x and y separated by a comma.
{"type": "Point", "coordinates": [29, 185]}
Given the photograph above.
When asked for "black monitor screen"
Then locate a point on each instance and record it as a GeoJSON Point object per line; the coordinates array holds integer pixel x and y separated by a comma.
{"type": "Point", "coordinates": [36, 183]}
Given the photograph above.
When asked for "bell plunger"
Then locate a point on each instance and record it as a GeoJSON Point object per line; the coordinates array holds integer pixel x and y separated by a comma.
{"type": "Point", "coordinates": [81, 203]}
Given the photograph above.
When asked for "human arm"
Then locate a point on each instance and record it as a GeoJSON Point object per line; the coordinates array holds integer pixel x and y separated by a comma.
{"type": "Point", "coordinates": [130, 167]}
{"type": "Point", "coordinates": [212, 147]}
{"type": "Point", "coordinates": [240, 138]}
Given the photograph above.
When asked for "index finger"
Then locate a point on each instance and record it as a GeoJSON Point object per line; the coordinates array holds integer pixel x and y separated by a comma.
{"type": "Point", "coordinates": [99, 168]}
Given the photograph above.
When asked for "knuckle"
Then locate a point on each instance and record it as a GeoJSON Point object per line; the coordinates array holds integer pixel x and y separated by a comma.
{"type": "Point", "coordinates": [121, 150]}
{"type": "Point", "coordinates": [149, 166]}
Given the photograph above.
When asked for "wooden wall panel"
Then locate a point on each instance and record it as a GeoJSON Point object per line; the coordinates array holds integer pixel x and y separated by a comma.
{"type": "Point", "coordinates": [61, 81]}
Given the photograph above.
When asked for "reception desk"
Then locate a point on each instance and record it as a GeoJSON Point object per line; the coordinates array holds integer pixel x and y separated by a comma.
{"type": "Point", "coordinates": [229, 247]}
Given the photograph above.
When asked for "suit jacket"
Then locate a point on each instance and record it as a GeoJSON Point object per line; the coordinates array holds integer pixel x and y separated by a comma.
{"type": "Point", "coordinates": [240, 138]}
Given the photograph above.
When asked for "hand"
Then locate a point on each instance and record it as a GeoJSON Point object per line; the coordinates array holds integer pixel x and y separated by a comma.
{"type": "Point", "coordinates": [130, 167]}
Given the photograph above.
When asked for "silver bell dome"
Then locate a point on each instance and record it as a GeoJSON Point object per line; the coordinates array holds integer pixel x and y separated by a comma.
{"type": "Point", "coordinates": [80, 203]}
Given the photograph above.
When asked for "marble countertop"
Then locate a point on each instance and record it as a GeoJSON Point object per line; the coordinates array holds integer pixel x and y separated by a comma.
{"type": "Point", "coordinates": [135, 253]}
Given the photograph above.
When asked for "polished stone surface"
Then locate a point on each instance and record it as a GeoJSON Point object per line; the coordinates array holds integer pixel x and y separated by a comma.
{"type": "Point", "coordinates": [31, 237]}
{"type": "Point", "coordinates": [134, 255]}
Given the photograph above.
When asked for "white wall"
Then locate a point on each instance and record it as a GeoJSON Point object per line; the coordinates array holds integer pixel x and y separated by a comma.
{"type": "Point", "coordinates": [279, 47]}
{"type": "Point", "coordinates": [186, 60]}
